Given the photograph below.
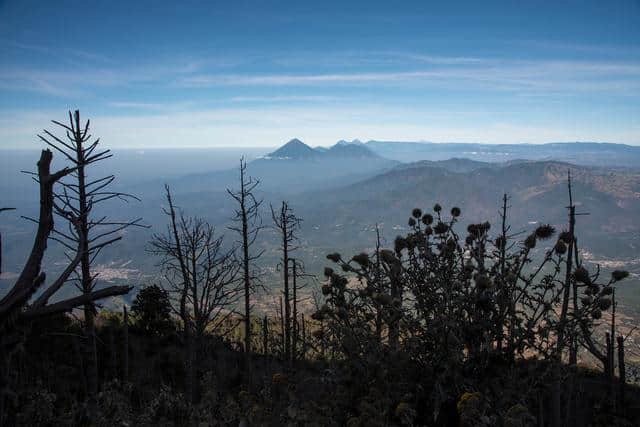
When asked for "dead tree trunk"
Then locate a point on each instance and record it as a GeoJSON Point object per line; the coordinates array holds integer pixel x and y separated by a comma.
{"type": "Point", "coordinates": [12, 305]}
{"type": "Point", "coordinates": [623, 377]}
{"type": "Point", "coordinates": [247, 215]}
{"type": "Point", "coordinates": [287, 224]}
{"type": "Point", "coordinates": [294, 326]}
{"type": "Point", "coordinates": [125, 353]}
{"type": "Point", "coordinates": [265, 336]}
{"type": "Point", "coordinates": [76, 203]}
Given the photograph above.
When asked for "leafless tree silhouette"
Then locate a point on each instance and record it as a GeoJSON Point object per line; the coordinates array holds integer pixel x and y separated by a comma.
{"type": "Point", "coordinates": [86, 233]}
{"type": "Point", "coordinates": [204, 277]}
{"type": "Point", "coordinates": [248, 225]}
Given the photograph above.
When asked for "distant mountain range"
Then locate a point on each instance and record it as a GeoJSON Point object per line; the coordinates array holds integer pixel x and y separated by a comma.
{"type": "Point", "coordinates": [582, 153]}
{"type": "Point", "coordinates": [293, 168]}
{"type": "Point", "coordinates": [342, 191]}
{"type": "Point", "coordinates": [296, 149]}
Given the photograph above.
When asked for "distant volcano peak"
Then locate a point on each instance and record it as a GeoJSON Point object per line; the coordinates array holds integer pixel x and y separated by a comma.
{"type": "Point", "coordinates": [294, 149]}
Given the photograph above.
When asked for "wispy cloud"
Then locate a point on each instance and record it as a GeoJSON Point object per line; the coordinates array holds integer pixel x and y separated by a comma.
{"type": "Point", "coordinates": [292, 98]}
{"type": "Point", "coordinates": [563, 76]}
{"type": "Point", "coordinates": [400, 69]}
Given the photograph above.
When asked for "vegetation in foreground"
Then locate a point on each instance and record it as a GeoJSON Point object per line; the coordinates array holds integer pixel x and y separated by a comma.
{"type": "Point", "coordinates": [446, 328]}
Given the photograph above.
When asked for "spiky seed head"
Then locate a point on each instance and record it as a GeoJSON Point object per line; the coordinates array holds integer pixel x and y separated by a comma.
{"type": "Point", "coordinates": [328, 271]}
{"type": "Point", "coordinates": [473, 229]}
{"type": "Point", "coordinates": [486, 226]}
{"type": "Point", "coordinates": [362, 259]}
{"type": "Point", "coordinates": [530, 241]}
{"type": "Point", "coordinates": [340, 282]}
{"type": "Point", "coordinates": [455, 212]}
{"type": "Point", "coordinates": [441, 228]}
{"type": "Point", "coordinates": [416, 213]}
{"type": "Point", "coordinates": [560, 247]}
{"type": "Point", "coordinates": [607, 291]}
{"type": "Point", "coordinates": [604, 304]}
{"type": "Point", "coordinates": [437, 208]}
{"type": "Point", "coordinates": [545, 231]}
{"type": "Point", "coordinates": [565, 236]}
{"type": "Point", "coordinates": [335, 257]}
{"type": "Point", "coordinates": [399, 244]}
{"type": "Point", "coordinates": [582, 275]}
{"type": "Point", "coordinates": [412, 222]}
{"type": "Point", "coordinates": [427, 219]}
{"type": "Point", "coordinates": [469, 240]}
{"type": "Point", "coordinates": [586, 300]}
{"type": "Point", "coordinates": [428, 231]}
{"type": "Point", "coordinates": [618, 275]}
{"type": "Point", "coordinates": [596, 314]}
{"type": "Point", "coordinates": [326, 290]}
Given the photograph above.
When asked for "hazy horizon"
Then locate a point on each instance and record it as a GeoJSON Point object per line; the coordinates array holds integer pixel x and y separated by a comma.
{"type": "Point", "coordinates": [155, 75]}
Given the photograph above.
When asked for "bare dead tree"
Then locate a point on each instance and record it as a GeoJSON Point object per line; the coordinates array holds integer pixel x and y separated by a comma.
{"type": "Point", "coordinates": [15, 310]}
{"type": "Point", "coordinates": [248, 225]}
{"type": "Point", "coordinates": [298, 272]}
{"type": "Point", "coordinates": [287, 224]}
{"type": "Point", "coordinates": [86, 234]}
{"type": "Point", "coordinates": [202, 275]}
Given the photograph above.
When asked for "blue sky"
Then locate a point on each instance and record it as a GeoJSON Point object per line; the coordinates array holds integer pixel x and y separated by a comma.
{"type": "Point", "coordinates": [185, 74]}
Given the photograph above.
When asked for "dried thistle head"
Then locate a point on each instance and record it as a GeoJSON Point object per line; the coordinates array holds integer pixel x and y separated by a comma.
{"type": "Point", "coordinates": [560, 247]}
{"type": "Point", "coordinates": [455, 212]}
{"type": "Point", "coordinates": [416, 213]}
{"type": "Point", "coordinates": [335, 257]}
{"type": "Point", "coordinates": [565, 236]}
{"type": "Point", "coordinates": [362, 259]}
{"type": "Point", "coordinates": [427, 219]}
{"type": "Point", "coordinates": [437, 208]}
{"type": "Point", "coordinates": [441, 228]}
{"type": "Point", "coordinates": [530, 241]}
{"type": "Point", "coordinates": [545, 231]}
{"type": "Point", "coordinates": [604, 304]}
{"type": "Point", "coordinates": [582, 275]}
{"type": "Point", "coordinates": [618, 275]}
{"type": "Point", "coordinates": [412, 222]}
